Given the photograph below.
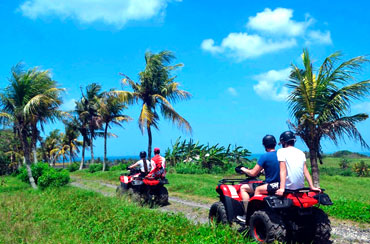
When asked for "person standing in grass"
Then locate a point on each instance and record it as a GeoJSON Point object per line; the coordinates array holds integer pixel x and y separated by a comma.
{"type": "Point", "coordinates": [293, 167]}
{"type": "Point", "coordinates": [267, 162]}
{"type": "Point", "coordinates": [158, 165]}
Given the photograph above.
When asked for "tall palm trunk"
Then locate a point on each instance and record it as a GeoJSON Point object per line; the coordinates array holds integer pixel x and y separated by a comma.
{"type": "Point", "coordinates": [149, 141]}
{"type": "Point", "coordinates": [105, 145]}
{"type": "Point", "coordinates": [70, 153]}
{"type": "Point", "coordinates": [314, 167]}
{"type": "Point", "coordinates": [92, 144]}
{"type": "Point", "coordinates": [34, 142]}
{"type": "Point", "coordinates": [83, 153]}
{"type": "Point", "coordinates": [27, 156]}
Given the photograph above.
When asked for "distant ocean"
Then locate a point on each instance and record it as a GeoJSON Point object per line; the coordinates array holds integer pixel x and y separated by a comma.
{"type": "Point", "coordinates": [135, 157]}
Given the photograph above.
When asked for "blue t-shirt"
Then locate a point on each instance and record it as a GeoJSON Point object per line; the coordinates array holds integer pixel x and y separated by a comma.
{"type": "Point", "coordinates": [270, 163]}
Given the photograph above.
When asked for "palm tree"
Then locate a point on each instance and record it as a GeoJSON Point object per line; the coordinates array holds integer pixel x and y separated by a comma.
{"type": "Point", "coordinates": [51, 143]}
{"type": "Point", "coordinates": [110, 111]}
{"type": "Point", "coordinates": [81, 122]}
{"type": "Point", "coordinates": [156, 89]}
{"type": "Point", "coordinates": [90, 102]}
{"type": "Point", "coordinates": [320, 102]}
{"type": "Point", "coordinates": [71, 139]}
{"type": "Point", "coordinates": [23, 101]}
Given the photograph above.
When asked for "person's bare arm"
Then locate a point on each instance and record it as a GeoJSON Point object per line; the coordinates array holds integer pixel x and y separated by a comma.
{"type": "Point", "coordinates": [309, 179]}
{"type": "Point", "coordinates": [133, 165]}
{"type": "Point", "coordinates": [252, 172]}
{"type": "Point", "coordinates": [280, 191]}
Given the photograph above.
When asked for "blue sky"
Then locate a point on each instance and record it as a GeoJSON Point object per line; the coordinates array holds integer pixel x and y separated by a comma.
{"type": "Point", "coordinates": [236, 57]}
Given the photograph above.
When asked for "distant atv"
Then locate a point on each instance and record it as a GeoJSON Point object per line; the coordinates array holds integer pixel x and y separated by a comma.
{"type": "Point", "coordinates": [144, 190]}
{"type": "Point", "coordinates": [291, 218]}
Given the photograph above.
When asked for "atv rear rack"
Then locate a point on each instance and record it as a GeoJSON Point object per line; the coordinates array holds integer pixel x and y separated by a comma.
{"type": "Point", "coordinates": [236, 181]}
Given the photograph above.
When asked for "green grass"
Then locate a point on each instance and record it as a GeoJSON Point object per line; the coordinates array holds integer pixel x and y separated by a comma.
{"type": "Point", "coordinates": [71, 215]}
{"type": "Point", "coordinates": [351, 195]}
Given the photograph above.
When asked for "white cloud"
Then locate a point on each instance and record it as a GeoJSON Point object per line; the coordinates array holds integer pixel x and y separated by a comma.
{"type": "Point", "coordinates": [269, 31]}
{"type": "Point", "coordinates": [113, 12]}
{"type": "Point", "coordinates": [68, 105]}
{"type": "Point", "coordinates": [278, 22]}
{"type": "Point", "coordinates": [319, 37]}
{"type": "Point", "coordinates": [271, 84]}
{"type": "Point", "coordinates": [243, 46]}
{"type": "Point", "coordinates": [232, 91]}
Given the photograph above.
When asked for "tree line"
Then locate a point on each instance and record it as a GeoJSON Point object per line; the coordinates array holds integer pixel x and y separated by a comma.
{"type": "Point", "coordinates": [32, 99]}
{"type": "Point", "coordinates": [319, 103]}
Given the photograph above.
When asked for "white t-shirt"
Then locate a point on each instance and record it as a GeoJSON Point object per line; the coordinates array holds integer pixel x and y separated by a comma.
{"type": "Point", "coordinates": [141, 165]}
{"type": "Point", "coordinates": [295, 160]}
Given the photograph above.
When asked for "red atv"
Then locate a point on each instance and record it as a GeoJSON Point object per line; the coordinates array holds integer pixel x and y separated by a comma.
{"type": "Point", "coordinates": [145, 190]}
{"type": "Point", "coordinates": [290, 218]}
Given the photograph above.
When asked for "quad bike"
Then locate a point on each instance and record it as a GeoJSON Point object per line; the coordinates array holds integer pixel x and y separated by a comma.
{"type": "Point", "coordinates": [292, 218]}
{"type": "Point", "coordinates": [145, 190]}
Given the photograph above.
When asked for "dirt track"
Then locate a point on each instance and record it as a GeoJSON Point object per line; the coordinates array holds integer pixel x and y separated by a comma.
{"type": "Point", "coordinates": [342, 231]}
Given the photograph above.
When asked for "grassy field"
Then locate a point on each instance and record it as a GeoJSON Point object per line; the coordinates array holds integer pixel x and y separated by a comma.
{"type": "Point", "coordinates": [70, 215]}
{"type": "Point", "coordinates": [351, 195]}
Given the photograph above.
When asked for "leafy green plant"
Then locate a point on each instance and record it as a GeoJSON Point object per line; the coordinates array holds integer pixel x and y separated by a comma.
{"type": "Point", "coordinates": [73, 167]}
{"type": "Point", "coordinates": [45, 175]}
{"type": "Point", "coordinates": [96, 167]}
{"type": "Point", "coordinates": [117, 167]}
{"type": "Point", "coordinates": [53, 178]}
{"type": "Point", "coordinates": [344, 163]}
{"type": "Point", "coordinates": [362, 169]}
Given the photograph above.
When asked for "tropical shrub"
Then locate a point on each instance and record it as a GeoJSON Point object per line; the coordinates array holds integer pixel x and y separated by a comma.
{"type": "Point", "coordinates": [344, 163]}
{"type": "Point", "coordinates": [213, 159]}
{"type": "Point", "coordinates": [73, 167]}
{"type": "Point", "coordinates": [121, 166]}
{"type": "Point", "coordinates": [45, 176]}
{"type": "Point", "coordinates": [53, 178]}
{"type": "Point", "coordinates": [361, 169]}
{"type": "Point", "coordinates": [97, 167]}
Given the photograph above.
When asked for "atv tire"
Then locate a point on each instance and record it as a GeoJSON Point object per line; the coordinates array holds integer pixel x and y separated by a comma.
{"type": "Point", "coordinates": [161, 198]}
{"type": "Point", "coordinates": [319, 228]}
{"type": "Point", "coordinates": [135, 197]}
{"type": "Point", "coordinates": [266, 227]}
{"type": "Point", "coordinates": [217, 214]}
{"type": "Point", "coordinates": [121, 190]}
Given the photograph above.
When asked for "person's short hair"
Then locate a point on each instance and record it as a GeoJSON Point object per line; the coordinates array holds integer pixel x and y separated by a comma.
{"type": "Point", "coordinates": [290, 143]}
{"type": "Point", "coordinates": [157, 150]}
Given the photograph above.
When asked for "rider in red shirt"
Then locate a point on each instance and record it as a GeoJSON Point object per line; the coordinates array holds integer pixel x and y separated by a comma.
{"type": "Point", "coordinates": [158, 165]}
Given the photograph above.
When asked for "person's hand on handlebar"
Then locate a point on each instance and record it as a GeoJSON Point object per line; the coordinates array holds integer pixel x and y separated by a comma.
{"type": "Point", "coordinates": [315, 189]}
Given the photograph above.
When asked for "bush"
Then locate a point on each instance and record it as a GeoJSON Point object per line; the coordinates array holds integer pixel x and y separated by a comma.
{"type": "Point", "coordinates": [118, 167]}
{"type": "Point", "coordinates": [53, 178]}
{"type": "Point", "coordinates": [73, 167]}
{"type": "Point", "coordinates": [95, 168]}
{"type": "Point", "coordinates": [344, 163]}
{"type": "Point", "coordinates": [336, 171]}
{"type": "Point", "coordinates": [45, 176]}
{"type": "Point", "coordinates": [361, 169]}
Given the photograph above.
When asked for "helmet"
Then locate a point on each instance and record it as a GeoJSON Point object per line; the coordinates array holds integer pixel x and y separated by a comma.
{"type": "Point", "coordinates": [157, 150]}
{"type": "Point", "coordinates": [269, 141]}
{"type": "Point", "coordinates": [287, 136]}
{"type": "Point", "coordinates": [142, 154]}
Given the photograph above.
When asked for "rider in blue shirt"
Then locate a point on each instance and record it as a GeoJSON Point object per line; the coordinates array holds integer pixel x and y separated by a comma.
{"type": "Point", "coordinates": [269, 163]}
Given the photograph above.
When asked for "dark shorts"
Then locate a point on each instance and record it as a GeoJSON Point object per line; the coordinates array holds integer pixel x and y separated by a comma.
{"type": "Point", "coordinates": [272, 187]}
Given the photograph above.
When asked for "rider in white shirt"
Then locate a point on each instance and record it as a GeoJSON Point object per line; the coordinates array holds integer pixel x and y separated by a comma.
{"type": "Point", "coordinates": [144, 167]}
{"type": "Point", "coordinates": [293, 167]}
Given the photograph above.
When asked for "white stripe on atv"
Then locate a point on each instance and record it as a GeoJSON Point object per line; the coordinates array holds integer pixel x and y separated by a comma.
{"type": "Point", "coordinates": [233, 192]}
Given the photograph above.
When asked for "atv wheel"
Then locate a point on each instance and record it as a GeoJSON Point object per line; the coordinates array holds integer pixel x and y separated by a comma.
{"type": "Point", "coordinates": [266, 226]}
{"type": "Point", "coordinates": [121, 189]}
{"type": "Point", "coordinates": [162, 198]}
{"type": "Point", "coordinates": [217, 213]}
{"type": "Point", "coordinates": [319, 228]}
{"type": "Point", "coordinates": [135, 197]}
